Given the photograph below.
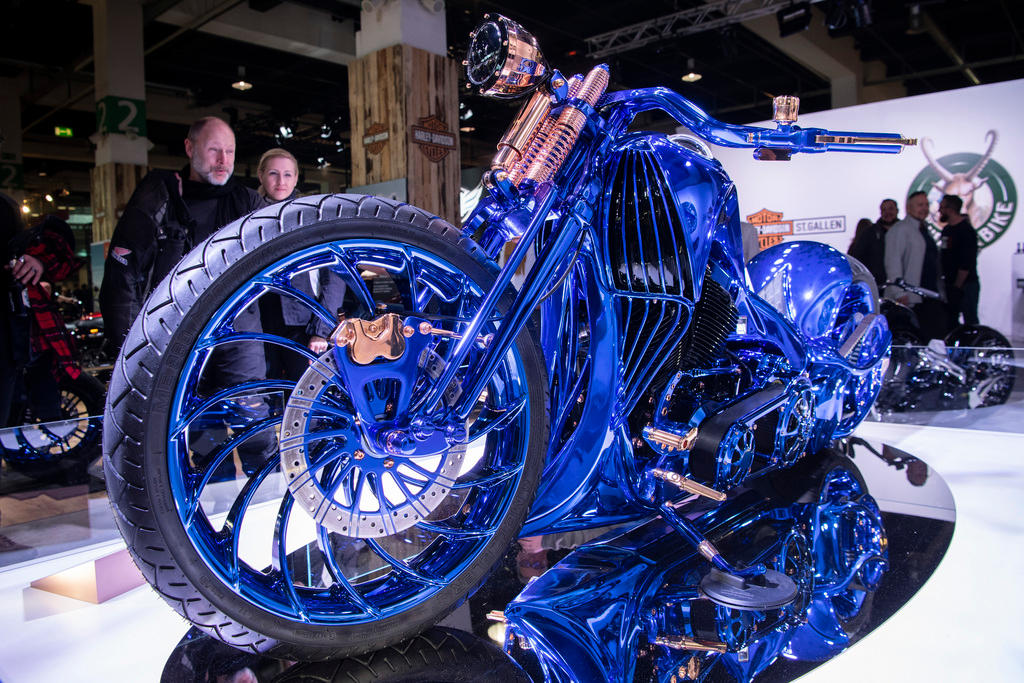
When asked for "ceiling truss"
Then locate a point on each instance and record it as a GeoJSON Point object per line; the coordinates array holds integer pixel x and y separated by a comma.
{"type": "Point", "coordinates": [710, 15]}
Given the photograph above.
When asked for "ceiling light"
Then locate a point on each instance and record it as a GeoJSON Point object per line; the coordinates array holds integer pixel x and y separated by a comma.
{"type": "Point", "coordinates": [915, 23]}
{"type": "Point", "coordinates": [25, 209]}
{"type": "Point", "coordinates": [49, 197]}
{"type": "Point", "coordinates": [325, 131]}
{"type": "Point", "coordinates": [241, 83]}
{"type": "Point", "coordinates": [692, 75]}
{"type": "Point", "coordinates": [285, 131]}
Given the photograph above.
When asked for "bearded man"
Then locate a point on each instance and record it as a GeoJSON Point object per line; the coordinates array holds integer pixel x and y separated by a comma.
{"type": "Point", "coordinates": [167, 215]}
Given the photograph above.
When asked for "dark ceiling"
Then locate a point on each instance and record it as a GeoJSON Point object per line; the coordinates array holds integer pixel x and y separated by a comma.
{"type": "Point", "coordinates": [51, 43]}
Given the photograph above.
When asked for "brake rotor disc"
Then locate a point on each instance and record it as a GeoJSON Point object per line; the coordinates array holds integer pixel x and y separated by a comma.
{"type": "Point", "coordinates": [337, 478]}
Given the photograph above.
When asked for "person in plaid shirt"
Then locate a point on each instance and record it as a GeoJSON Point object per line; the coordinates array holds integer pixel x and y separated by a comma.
{"type": "Point", "coordinates": [38, 257]}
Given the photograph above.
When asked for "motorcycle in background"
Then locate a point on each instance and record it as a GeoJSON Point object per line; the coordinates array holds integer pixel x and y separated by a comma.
{"type": "Point", "coordinates": [444, 421]}
{"type": "Point", "coordinates": [973, 366]}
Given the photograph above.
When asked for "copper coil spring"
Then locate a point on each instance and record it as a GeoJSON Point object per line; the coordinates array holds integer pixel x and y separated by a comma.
{"type": "Point", "coordinates": [594, 85]}
{"type": "Point", "coordinates": [518, 173]}
{"type": "Point", "coordinates": [543, 132]}
{"type": "Point", "coordinates": [552, 152]}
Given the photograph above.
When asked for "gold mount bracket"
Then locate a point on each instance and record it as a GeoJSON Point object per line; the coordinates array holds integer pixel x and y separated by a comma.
{"type": "Point", "coordinates": [367, 340]}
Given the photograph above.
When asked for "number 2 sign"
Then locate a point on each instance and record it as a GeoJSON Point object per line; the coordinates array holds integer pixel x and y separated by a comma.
{"type": "Point", "coordinates": [121, 115]}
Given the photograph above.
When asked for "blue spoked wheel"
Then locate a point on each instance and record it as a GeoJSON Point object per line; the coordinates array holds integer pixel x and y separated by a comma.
{"type": "Point", "coordinates": [311, 517]}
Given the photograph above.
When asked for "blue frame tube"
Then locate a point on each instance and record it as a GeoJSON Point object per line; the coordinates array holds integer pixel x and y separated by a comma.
{"type": "Point", "coordinates": [533, 288]}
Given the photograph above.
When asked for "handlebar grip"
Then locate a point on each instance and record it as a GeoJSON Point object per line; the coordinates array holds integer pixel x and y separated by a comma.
{"type": "Point", "coordinates": [843, 139]}
{"type": "Point", "coordinates": [913, 289]}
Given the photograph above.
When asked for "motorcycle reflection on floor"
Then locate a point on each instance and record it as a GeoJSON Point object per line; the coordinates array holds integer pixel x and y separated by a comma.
{"type": "Point", "coordinates": [971, 367]}
{"type": "Point", "coordinates": [634, 607]}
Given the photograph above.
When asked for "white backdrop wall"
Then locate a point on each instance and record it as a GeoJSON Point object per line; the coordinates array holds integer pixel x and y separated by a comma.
{"type": "Point", "coordinates": [822, 196]}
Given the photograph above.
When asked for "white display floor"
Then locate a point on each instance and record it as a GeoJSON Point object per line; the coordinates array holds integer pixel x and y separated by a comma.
{"type": "Point", "coordinates": [964, 624]}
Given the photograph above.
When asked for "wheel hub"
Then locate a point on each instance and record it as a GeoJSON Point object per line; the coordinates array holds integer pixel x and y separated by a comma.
{"type": "Point", "coordinates": [340, 477]}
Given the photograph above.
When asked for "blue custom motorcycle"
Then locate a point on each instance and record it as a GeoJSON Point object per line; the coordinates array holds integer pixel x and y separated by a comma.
{"type": "Point", "coordinates": [639, 364]}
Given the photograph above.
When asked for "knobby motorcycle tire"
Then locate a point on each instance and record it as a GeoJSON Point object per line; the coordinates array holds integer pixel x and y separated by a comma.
{"type": "Point", "coordinates": [438, 655]}
{"type": "Point", "coordinates": [143, 385]}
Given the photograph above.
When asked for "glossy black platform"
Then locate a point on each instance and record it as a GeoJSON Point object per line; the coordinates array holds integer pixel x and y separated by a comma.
{"type": "Point", "coordinates": [623, 604]}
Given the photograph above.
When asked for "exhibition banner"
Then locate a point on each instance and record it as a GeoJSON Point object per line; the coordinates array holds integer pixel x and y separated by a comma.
{"type": "Point", "coordinates": [971, 143]}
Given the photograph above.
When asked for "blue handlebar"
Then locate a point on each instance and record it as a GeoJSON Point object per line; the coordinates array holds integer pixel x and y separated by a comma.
{"type": "Point", "coordinates": [626, 104]}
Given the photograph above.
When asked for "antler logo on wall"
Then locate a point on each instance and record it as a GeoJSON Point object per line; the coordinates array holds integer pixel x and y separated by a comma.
{"type": "Point", "coordinates": [433, 137]}
{"type": "Point", "coordinates": [988, 192]}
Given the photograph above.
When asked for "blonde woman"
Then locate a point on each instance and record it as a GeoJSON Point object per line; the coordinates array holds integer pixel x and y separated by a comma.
{"type": "Point", "coordinates": [278, 172]}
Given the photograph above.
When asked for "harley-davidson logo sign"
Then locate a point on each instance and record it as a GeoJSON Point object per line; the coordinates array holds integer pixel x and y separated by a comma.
{"type": "Point", "coordinates": [376, 137]}
{"type": "Point", "coordinates": [772, 229]}
{"type": "Point", "coordinates": [433, 137]}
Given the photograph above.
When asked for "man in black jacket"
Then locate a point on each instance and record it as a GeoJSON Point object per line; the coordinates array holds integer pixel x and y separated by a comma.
{"type": "Point", "coordinates": [959, 262]}
{"type": "Point", "coordinates": [167, 215]}
{"type": "Point", "coordinates": [869, 248]}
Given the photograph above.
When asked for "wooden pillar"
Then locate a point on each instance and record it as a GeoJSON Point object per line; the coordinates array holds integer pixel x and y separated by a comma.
{"type": "Point", "coordinates": [403, 103]}
{"type": "Point", "coordinates": [122, 149]}
{"type": "Point", "coordinates": [112, 187]}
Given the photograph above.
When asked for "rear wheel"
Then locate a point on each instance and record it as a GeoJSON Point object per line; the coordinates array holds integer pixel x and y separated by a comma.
{"type": "Point", "coordinates": [336, 546]}
{"type": "Point", "coordinates": [989, 360]}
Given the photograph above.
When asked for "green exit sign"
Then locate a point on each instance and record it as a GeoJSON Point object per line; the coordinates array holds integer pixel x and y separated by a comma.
{"type": "Point", "coordinates": [63, 132]}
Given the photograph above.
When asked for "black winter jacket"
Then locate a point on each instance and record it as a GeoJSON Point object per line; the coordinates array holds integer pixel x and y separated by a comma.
{"type": "Point", "coordinates": [155, 231]}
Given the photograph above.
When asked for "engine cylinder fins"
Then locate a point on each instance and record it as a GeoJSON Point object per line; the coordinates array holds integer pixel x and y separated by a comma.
{"type": "Point", "coordinates": [714, 319]}
{"type": "Point", "coordinates": [646, 235]}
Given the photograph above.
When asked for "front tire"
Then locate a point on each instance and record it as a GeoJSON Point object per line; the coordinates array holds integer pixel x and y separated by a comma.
{"type": "Point", "coordinates": [246, 564]}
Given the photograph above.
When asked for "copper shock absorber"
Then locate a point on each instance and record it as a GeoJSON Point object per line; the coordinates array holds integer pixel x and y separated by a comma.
{"type": "Point", "coordinates": [516, 140]}
{"type": "Point", "coordinates": [518, 172]}
{"type": "Point", "coordinates": [566, 131]}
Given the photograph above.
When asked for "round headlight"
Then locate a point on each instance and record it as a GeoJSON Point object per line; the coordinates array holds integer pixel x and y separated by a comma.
{"type": "Point", "coordinates": [503, 59]}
